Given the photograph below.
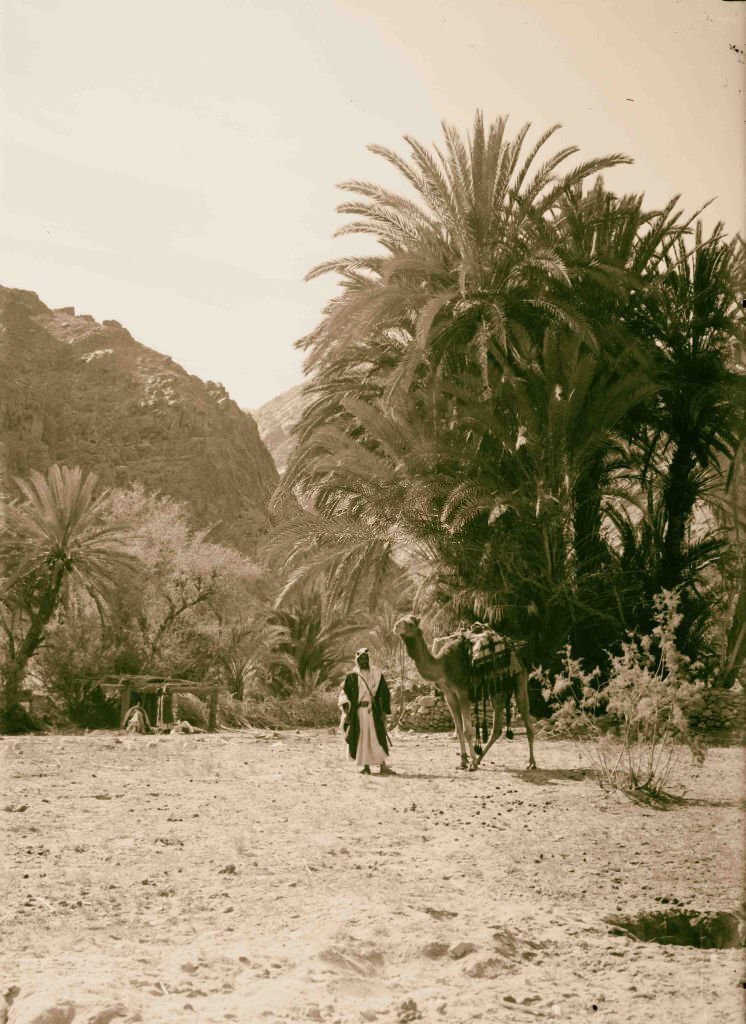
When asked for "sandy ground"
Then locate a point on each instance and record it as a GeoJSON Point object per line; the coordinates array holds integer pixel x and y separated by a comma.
{"type": "Point", "coordinates": [257, 877]}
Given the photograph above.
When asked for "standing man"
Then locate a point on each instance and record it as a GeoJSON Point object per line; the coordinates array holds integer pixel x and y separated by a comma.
{"type": "Point", "coordinates": [365, 701]}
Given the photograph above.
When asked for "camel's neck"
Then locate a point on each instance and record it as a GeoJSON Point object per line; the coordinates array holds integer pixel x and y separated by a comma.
{"type": "Point", "coordinates": [428, 666]}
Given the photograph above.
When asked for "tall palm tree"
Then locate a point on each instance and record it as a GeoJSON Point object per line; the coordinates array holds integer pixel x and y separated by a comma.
{"type": "Point", "coordinates": [693, 311]}
{"type": "Point", "coordinates": [612, 248]}
{"type": "Point", "coordinates": [465, 264]}
{"type": "Point", "coordinates": [461, 293]}
{"type": "Point", "coordinates": [483, 388]}
{"type": "Point", "coordinates": [57, 536]}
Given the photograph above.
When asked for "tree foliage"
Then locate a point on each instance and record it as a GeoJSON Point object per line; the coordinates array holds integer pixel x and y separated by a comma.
{"type": "Point", "coordinates": [524, 397]}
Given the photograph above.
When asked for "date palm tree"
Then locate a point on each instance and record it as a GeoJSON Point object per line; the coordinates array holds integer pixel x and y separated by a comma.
{"type": "Point", "coordinates": [57, 537]}
{"type": "Point", "coordinates": [465, 264]}
{"type": "Point", "coordinates": [693, 314]}
{"type": "Point", "coordinates": [460, 294]}
{"type": "Point", "coordinates": [483, 388]}
{"type": "Point", "coordinates": [613, 249]}
{"type": "Point", "coordinates": [696, 423]}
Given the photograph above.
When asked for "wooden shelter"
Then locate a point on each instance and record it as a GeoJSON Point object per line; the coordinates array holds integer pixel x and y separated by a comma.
{"type": "Point", "coordinates": [123, 686]}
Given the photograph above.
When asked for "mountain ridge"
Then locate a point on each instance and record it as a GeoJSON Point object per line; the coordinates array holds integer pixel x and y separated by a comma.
{"type": "Point", "coordinates": [276, 419]}
{"type": "Point", "coordinates": [77, 391]}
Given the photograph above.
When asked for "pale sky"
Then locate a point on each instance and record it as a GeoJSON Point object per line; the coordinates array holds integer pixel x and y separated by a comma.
{"type": "Point", "coordinates": [171, 163]}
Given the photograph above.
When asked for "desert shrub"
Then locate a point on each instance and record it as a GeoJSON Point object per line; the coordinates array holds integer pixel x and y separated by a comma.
{"type": "Point", "coordinates": [70, 665]}
{"type": "Point", "coordinates": [648, 697]}
{"type": "Point", "coordinates": [16, 720]}
{"type": "Point", "coordinates": [574, 697]}
{"type": "Point", "coordinates": [651, 690]}
{"type": "Point", "coordinates": [232, 713]}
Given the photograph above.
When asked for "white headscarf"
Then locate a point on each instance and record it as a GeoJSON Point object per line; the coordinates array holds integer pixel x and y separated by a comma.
{"type": "Point", "coordinates": [370, 676]}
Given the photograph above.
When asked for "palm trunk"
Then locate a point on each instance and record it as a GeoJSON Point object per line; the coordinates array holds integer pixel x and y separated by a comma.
{"type": "Point", "coordinates": [587, 520]}
{"type": "Point", "coordinates": [589, 636]}
{"type": "Point", "coordinates": [680, 495]}
{"type": "Point", "coordinates": [736, 640]}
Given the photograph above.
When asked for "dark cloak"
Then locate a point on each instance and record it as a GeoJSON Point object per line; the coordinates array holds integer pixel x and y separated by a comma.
{"type": "Point", "coordinates": [381, 707]}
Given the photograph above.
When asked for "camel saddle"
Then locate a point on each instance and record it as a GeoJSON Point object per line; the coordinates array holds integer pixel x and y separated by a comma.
{"type": "Point", "coordinates": [489, 654]}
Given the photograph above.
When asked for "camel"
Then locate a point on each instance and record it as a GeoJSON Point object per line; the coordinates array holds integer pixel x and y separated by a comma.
{"type": "Point", "coordinates": [451, 673]}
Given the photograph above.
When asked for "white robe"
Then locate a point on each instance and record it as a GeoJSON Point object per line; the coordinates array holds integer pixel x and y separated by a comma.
{"type": "Point", "coordinates": [369, 750]}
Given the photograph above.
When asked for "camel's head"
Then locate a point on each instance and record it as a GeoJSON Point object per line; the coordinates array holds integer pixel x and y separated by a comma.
{"type": "Point", "coordinates": [407, 627]}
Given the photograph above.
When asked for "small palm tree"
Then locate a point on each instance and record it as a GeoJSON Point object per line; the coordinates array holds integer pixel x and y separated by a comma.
{"type": "Point", "coordinates": [57, 537]}
{"type": "Point", "coordinates": [305, 645]}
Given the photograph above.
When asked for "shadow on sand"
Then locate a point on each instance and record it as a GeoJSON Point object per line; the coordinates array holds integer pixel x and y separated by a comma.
{"type": "Point", "coordinates": [430, 776]}
{"type": "Point", "coordinates": [670, 801]}
{"type": "Point", "coordinates": [687, 801]}
{"type": "Point", "coordinates": [537, 776]}
{"type": "Point", "coordinates": [551, 776]}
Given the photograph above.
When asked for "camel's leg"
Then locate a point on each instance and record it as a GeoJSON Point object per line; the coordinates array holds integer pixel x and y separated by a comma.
{"type": "Point", "coordinates": [522, 701]}
{"type": "Point", "coordinates": [508, 715]}
{"type": "Point", "coordinates": [497, 724]}
{"type": "Point", "coordinates": [454, 708]}
{"type": "Point", "coordinates": [468, 729]}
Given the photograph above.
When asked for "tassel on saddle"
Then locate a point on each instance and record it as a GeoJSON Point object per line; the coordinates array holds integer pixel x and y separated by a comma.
{"type": "Point", "coordinates": [480, 692]}
{"type": "Point", "coordinates": [480, 728]}
{"type": "Point", "coordinates": [490, 657]}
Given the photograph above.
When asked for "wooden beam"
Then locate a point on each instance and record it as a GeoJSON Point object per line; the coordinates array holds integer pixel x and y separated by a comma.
{"type": "Point", "coordinates": [151, 684]}
{"type": "Point", "coordinates": [204, 688]}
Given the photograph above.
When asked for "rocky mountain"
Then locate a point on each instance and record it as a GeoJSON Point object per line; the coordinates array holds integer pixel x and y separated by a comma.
{"type": "Point", "coordinates": [276, 420]}
{"type": "Point", "coordinates": [85, 393]}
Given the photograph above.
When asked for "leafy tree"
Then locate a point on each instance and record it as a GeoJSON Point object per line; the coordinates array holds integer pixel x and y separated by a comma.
{"type": "Point", "coordinates": [191, 593]}
{"type": "Point", "coordinates": [187, 611]}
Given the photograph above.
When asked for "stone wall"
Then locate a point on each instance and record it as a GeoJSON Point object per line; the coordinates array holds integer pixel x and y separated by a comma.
{"type": "Point", "coordinates": [423, 711]}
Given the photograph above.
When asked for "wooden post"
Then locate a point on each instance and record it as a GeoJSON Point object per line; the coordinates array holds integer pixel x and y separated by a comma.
{"type": "Point", "coordinates": [212, 719]}
{"type": "Point", "coordinates": [125, 692]}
